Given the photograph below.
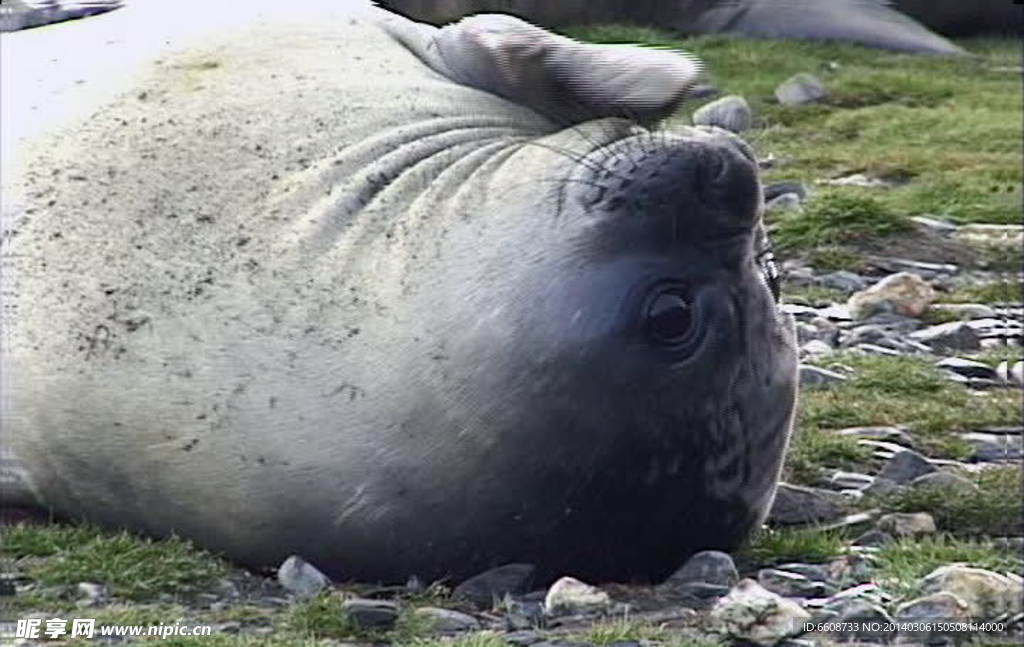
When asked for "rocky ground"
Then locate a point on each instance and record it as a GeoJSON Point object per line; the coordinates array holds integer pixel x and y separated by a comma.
{"type": "Point", "coordinates": [900, 518]}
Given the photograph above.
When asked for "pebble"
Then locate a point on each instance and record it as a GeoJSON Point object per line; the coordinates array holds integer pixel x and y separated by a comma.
{"type": "Point", "coordinates": [779, 188]}
{"type": "Point", "coordinates": [569, 596]}
{"type": "Point", "coordinates": [903, 293]}
{"type": "Point", "coordinates": [90, 594]}
{"type": "Point", "coordinates": [708, 566]}
{"type": "Point", "coordinates": [447, 621]}
{"type": "Point", "coordinates": [815, 348]}
{"type": "Point", "coordinates": [752, 613]}
{"type": "Point", "coordinates": [371, 614]}
{"type": "Point", "coordinates": [843, 280]}
{"type": "Point", "coordinates": [938, 225]}
{"type": "Point", "coordinates": [905, 466]}
{"type": "Point", "coordinates": [994, 447]}
{"type": "Point", "coordinates": [301, 578]}
{"type": "Point", "coordinates": [850, 480]}
{"type": "Point", "coordinates": [967, 367]}
{"type": "Point", "coordinates": [858, 180]}
{"type": "Point", "coordinates": [792, 585]}
{"type": "Point", "coordinates": [484, 589]}
{"type": "Point", "coordinates": [814, 377]}
{"type": "Point", "coordinates": [800, 89]}
{"type": "Point", "coordinates": [863, 620]}
{"type": "Point", "coordinates": [952, 336]}
{"type": "Point", "coordinates": [784, 202]}
{"type": "Point", "coordinates": [907, 524]}
{"type": "Point", "coordinates": [731, 112]}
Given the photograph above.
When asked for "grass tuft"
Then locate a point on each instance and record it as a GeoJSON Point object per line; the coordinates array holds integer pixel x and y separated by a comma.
{"type": "Point", "coordinates": [806, 545]}
{"type": "Point", "coordinates": [994, 509]}
{"type": "Point", "coordinates": [131, 567]}
{"type": "Point", "coordinates": [834, 220]}
{"type": "Point", "coordinates": [899, 566]}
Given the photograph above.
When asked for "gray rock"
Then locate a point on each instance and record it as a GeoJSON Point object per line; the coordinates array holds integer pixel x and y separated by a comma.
{"type": "Point", "coordinates": [731, 112]}
{"type": "Point", "coordinates": [806, 332]}
{"type": "Point", "coordinates": [813, 377]}
{"type": "Point", "coordinates": [487, 587]}
{"type": "Point", "coordinates": [709, 566]}
{"type": "Point", "coordinates": [994, 447]}
{"type": "Point", "coordinates": [873, 538]}
{"type": "Point", "coordinates": [952, 336]}
{"type": "Point", "coordinates": [802, 505]}
{"type": "Point", "coordinates": [447, 621]}
{"type": "Point", "coordinates": [851, 569]}
{"type": "Point", "coordinates": [779, 188]}
{"type": "Point", "coordinates": [371, 614]}
{"type": "Point", "coordinates": [843, 280]}
{"type": "Point", "coordinates": [792, 585]}
{"type": "Point", "coordinates": [905, 466]}
{"type": "Point", "coordinates": [875, 349]}
{"type": "Point", "coordinates": [967, 367]}
{"type": "Point", "coordinates": [816, 572]}
{"type": "Point", "coordinates": [864, 621]}
{"type": "Point", "coordinates": [815, 348]}
{"type": "Point", "coordinates": [850, 481]}
{"type": "Point", "coordinates": [858, 180]}
{"type": "Point", "coordinates": [942, 605]}
{"type": "Point", "coordinates": [944, 481]}
{"type": "Point", "coordinates": [869, 334]}
{"type": "Point", "coordinates": [800, 89]}
{"type": "Point", "coordinates": [569, 596]}
{"type": "Point", "coordinates": [938, 225]}
{"type": "Point", "coordinates": [784, 202]}
{"type": "Point", "coordinates": [90, 594]}
{"type": "Point", "coordinates": [907, 524]}
{"type": "Point", "coordinates": [301, 578]}
{"type": "Point", "coordinates": [523, 638]}
{"type": "Point", "coordinates": [702, 590]}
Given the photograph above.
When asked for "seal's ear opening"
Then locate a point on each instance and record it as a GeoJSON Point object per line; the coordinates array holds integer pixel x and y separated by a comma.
{"type": "Point", "coordinates": [567, 81]}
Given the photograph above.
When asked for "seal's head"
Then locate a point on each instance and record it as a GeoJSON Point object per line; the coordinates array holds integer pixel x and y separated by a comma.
{"type": "Point", "coordinates": [630, 366]}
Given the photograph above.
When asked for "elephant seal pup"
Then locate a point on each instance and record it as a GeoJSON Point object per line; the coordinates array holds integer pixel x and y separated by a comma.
{"type": "Point", "coordinates": [400, 300]}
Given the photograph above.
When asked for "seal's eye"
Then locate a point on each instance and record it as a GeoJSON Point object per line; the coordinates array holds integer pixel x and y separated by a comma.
{"type": "Point", "coordinates": [669, 318]}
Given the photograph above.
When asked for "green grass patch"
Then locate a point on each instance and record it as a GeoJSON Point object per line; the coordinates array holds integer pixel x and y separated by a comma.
{"type": "Point", "coordinates": [994, 509]}
{"type": "Point", "coordinates": [1005, 291]}
{"type": "Point", "coordinates": [131, 567]}
{"type": "Point", "coordinates": [835, 220]}
{"type": "Point", "coordinates": [607, 632]}
{"type": "Point", "coordinates": [899, 566]}
{"type": "Point", "coordinates": [326, 617]}
{"type": "Point", "coordinates": [905, 391]}
{"type": "Point", "coordinates": [815, 296]}
{"type": "Point", "coordinates": [805, 545]}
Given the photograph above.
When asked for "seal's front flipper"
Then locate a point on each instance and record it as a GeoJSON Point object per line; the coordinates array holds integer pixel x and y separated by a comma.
{"type": "Point", "coordinates": [563, 79]}
{"type": "Point", "coordinates": [868, 22]}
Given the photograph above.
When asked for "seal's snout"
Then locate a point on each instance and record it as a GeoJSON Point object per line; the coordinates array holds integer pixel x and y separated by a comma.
{"type": "Point", "coordinates": [703, 188]}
